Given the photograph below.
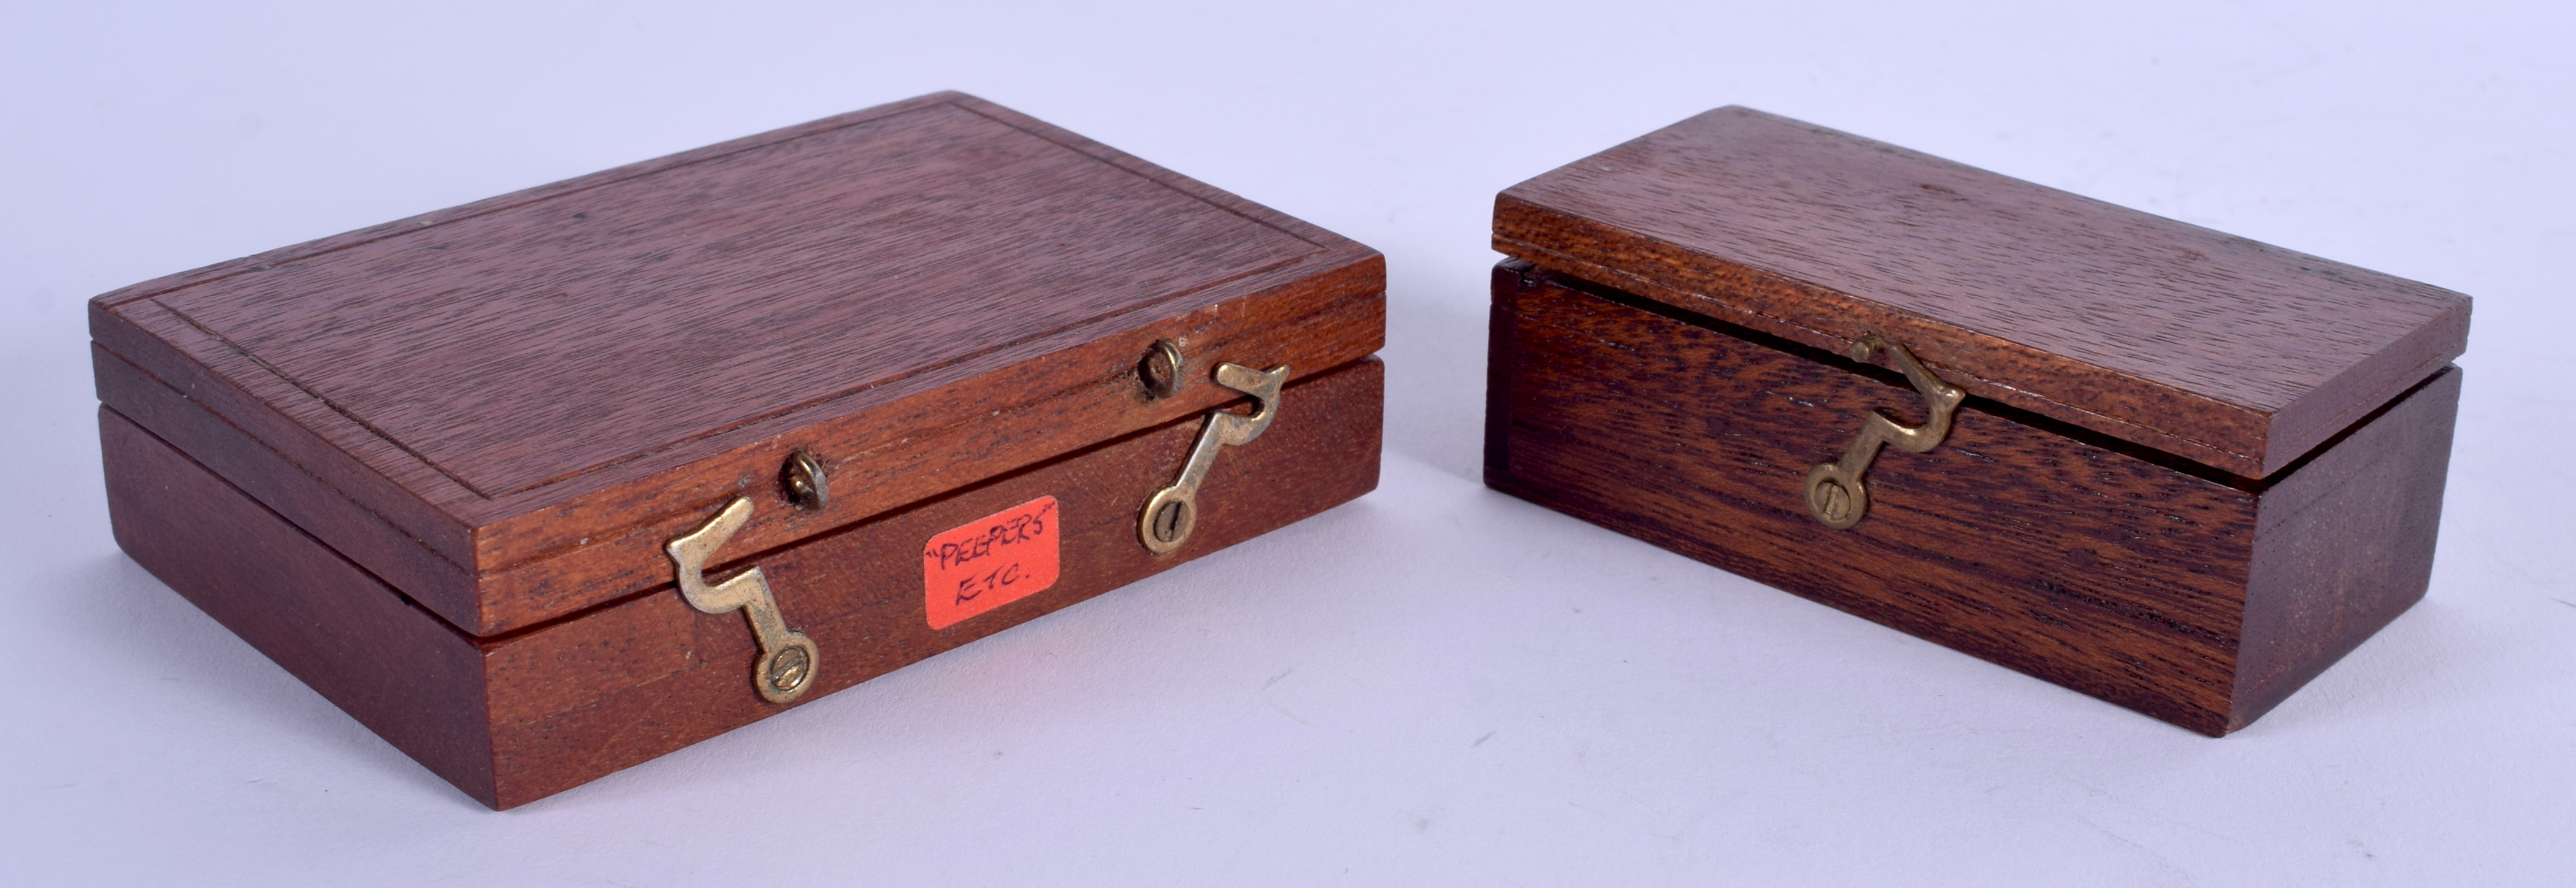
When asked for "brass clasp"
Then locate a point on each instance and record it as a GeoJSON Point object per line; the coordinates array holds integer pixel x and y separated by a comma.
{"type": "Point", "coordinates": [1172, 512]}
{"type": "Point", "coordinates": [1835, 492]}
{"type": "Point", "coordinates": [787, 657]}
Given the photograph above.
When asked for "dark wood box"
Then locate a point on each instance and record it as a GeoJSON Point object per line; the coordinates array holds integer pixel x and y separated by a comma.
{"type": "Point", "coordinates": [2182, 471]}
{"type": "Point", "coordinates": [494, 479]}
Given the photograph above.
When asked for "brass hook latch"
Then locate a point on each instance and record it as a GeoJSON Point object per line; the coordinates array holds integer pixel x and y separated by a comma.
{"type": "Point", "coordinates": [1835, 492]}
{"type": "Point", "coordinates": [787, 657]}
{"type": "Point", "coordinates": [1172, 512]}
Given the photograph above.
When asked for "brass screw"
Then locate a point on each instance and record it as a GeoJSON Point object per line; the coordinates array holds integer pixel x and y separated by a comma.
{"type": "Point", "coordinates": [789, 669]}
{"type": "Point", "coordinates": [1833, 502]}
{"type": "Point", "coordinates": [1159, 371]}
{"type": "Point", "coordinates": [1169, 520]}
{"type": "Point", "coordinates": [804, 482]}
{"type": "Point", "coordinates": [1864, 346]}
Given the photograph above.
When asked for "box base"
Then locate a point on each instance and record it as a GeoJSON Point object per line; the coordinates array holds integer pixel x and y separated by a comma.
{"type": "Point", "coordinates": [513, 718]}
{"type": "Point", "coordinates": [2164, 586]}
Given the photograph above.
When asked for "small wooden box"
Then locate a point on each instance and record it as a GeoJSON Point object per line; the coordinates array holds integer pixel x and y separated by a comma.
{"type": "Point", "coordinates": [2181, 471]}
{"type": "Point", "coordinates": [494, 479]}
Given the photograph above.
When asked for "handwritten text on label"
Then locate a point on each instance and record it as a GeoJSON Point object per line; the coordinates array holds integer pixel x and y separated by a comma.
{"type": "Point", "coordinates": [990, 562]}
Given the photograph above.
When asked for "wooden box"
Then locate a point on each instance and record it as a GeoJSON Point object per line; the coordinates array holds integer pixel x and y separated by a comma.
{"type": "Point", "coordinates": [2181, 471]}
{"type": "Point", "coordinates": [547, 485]}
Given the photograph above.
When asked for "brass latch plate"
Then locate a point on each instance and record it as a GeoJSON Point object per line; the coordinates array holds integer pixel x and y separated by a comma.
{"type": "Point", "coordinates": [1836, 492]}
{"type": "Point", "coordinates": [1172, 513]}
{"type": "Point", "coordinates": [788, 658]}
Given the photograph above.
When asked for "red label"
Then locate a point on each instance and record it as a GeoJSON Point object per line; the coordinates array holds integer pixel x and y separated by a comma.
{"type": "Point", "coordinates": [998, 559]}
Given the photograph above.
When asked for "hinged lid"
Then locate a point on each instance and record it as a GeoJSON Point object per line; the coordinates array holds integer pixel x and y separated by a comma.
{"type": "Point", "coordinates": [542, 388]}
{"type": "Point", "coordinates": [2227, 352]}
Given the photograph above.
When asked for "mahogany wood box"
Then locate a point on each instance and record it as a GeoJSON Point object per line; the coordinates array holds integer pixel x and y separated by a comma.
{"type": "Point", "coordinates": [2177, 470]}
{"type": "Point", "coordinates": [544, 486]}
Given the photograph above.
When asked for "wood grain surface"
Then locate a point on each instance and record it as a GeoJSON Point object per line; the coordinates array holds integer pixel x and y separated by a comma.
{"type": "Point", "coordinates": [402, 672]}
{"type": "Point", "coordinates": [2225, 351]}
{"type": "Point", "coordinates": [538, 388]}
{"type": "Point", "coordinates": [517, 717]}
{"type": "Point", "coordinates": [2162, 585]}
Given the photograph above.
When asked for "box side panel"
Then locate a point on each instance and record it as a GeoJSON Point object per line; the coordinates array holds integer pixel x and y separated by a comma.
{"type": "Point", "coordinates": [2346, 545]}
{"type": "Point", "coordinates": [395, 668]}
{"type": "Point", "coordinates": [2098, 570]}
{"type": "Point", "coordinates": [1499, 358]}
{"type": "Point", "coordinates": [580, 698]}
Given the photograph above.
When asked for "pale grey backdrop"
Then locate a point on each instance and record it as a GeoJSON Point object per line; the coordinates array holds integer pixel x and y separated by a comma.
{"type": "Point", "coordinates": [1435, 685]}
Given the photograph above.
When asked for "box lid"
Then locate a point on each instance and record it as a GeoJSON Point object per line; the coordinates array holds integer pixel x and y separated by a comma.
{"type": "Point", "coordinates": [543, 387]}
{"type": "Point", "coordinates": [2226, 352]}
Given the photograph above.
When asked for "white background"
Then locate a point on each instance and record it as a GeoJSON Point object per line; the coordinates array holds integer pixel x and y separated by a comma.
{"type": "Point", "coordinates": [1437, 684]}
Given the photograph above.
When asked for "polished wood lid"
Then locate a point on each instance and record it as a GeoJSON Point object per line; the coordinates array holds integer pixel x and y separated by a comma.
{"type": "Point", "coordinates": [924, 294]}
{"type": "Point", "coordinates": [2227, 352]}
